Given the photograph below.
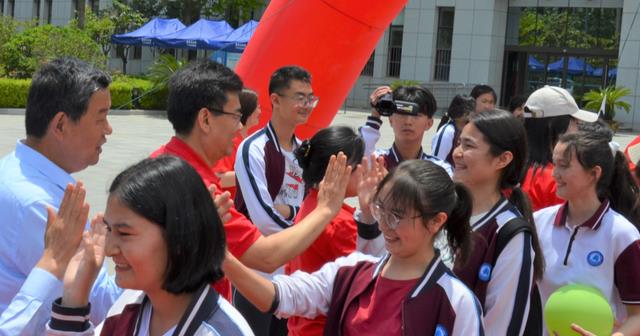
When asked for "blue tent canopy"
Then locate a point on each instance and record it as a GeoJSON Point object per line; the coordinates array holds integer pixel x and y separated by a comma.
{"type": "Point", "coordinates": [200, 35]}
{"type": "Point", "coordinates": [613, 72]}
{"type": "Point", "coordinates": [575, 66]}
{"type": "Point", "coordinates": [534, 64]}
{"type": "Point", "coordinates": [146, 34]}
{"type": "Point", "coordinates": [237, 40]}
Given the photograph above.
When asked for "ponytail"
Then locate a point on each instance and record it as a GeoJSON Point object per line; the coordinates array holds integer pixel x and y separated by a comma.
{"type": "Point", "coordinates": [522, 203]}
{"type": "Point", "coordinates": [443, 121]}
{"type": "Point", "coordinates": [623, 192]}
{"type": "Point", "coordinates": [457, 225]}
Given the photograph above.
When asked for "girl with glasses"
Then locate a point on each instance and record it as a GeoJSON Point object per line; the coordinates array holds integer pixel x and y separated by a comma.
{"type": "Point", "coordinates": [408, 291]}
{"type": "Point", "coordinates": [506, 258]}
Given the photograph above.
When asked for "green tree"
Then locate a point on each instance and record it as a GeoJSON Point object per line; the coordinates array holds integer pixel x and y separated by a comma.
{"type": "Point", "coordinates": [189, 11]}
{"type": "Point", "coordinates": [99, 27]}
{"type": "Point", "coordinates": [125, 19]}
{"type": "Point", "coordinates": [27, 50]}
{"type": "Point", "coordinates": [593, 100]}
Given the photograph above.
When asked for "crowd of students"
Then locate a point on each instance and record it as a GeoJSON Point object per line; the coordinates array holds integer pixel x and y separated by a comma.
{"type": "Point", "coordinates": [222, 232]}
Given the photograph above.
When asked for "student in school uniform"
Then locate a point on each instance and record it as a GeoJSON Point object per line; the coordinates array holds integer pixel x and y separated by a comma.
{"type": "Point", "coordinates": [408, 291]}
{"type": "Point", "coordinates": [549, 112]}
{"type": "Point", "coordinates": [446, 138]}
{"type": "Point", "coordinates": [413, 109]}
{"type": "Point", "coordinates": [590, 238]}
{"type": "Point", "coordinates": [339, 237]}
{"type": "Point", "coordinates": [168, 244]}
{"type": "Point", "coordinates": [506, 258]}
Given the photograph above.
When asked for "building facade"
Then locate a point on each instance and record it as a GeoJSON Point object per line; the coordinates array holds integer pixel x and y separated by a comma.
{"type": "Point", "coordinates": [449, 46]}
{"type": "Point", "coordinates": [516, 46]}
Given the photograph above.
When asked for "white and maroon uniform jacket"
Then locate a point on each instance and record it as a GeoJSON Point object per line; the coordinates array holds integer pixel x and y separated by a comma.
{"type": "Point", "coordinates": [370, 132]}
{"type": "Point", "coordinates": [208, 314]}
{"type": "Point", "coordinates": [504, 284]}
{"type": "Point", "coordinates": [439, 301]}
{"type": "Point", "coordinates": [603, 252]}
{"type": "Point", "coordinates": [267, 175]}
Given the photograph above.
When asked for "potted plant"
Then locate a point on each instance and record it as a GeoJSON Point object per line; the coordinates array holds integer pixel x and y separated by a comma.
{"type": "Point", "coordinates": [614, 94]}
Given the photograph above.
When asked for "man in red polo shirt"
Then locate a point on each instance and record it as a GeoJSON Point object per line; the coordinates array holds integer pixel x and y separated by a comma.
{"type": "Point", "coordinates": [204, 109]}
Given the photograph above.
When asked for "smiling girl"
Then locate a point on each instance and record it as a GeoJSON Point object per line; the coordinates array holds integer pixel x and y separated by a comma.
{"type": "Point", "coordinates": [167, 242]}
{"type": "Point", "coordinates": [505, 259]}
{"type": "Point", "coordinates": [590, 239]}
{"type": "Point", "coordinates": [409, 291]}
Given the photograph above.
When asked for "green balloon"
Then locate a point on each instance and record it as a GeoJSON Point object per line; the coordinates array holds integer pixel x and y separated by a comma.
{"type": "Point", "coordinates": [579, 304]}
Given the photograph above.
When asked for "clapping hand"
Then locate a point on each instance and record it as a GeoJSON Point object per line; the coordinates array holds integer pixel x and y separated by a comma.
{"type": "Point", "coordinates": [370, 177]}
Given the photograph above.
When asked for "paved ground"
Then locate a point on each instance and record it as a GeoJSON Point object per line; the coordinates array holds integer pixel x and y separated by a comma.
{"type": "Point", "coordinates": [135, 136]}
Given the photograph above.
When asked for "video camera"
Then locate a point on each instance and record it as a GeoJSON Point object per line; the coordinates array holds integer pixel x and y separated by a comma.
{"type": "Point", "coordinates": [387, 106]}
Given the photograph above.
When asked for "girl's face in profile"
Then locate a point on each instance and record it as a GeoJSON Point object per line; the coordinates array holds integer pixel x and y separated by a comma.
{"type": "Point", "coordinates": [137, 247]}
{"type": "Point", "coordinates": [572, 179]}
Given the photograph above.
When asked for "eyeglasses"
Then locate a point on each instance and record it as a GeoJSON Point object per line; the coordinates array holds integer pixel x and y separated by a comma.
{"type": "Point", "coordinates": [302, 100]}
{"type": "Point", "coordinates": [235, 116]}
{"type": "Point", "coordinates": [389, 219]}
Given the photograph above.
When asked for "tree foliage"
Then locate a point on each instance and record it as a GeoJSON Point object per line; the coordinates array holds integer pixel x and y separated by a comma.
{"type": "Point", "coordinates": [189, 11]}
{"type": "Point", "coordinates": [570, 27]}
{"type": "Point", "coordinates": [27, 50]}
{"type": "Point", "coordinates": [593, 100]}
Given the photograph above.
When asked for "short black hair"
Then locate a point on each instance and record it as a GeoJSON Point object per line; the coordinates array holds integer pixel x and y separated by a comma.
{"type": "Point", "coordinates": [460, 106]}
{"type": "Point", "coordinates": [481, 89]}
{"type": "Point", "coordinates": [248, 104]}
{"type": "Point", "coordinates": [516, 101]}
{"type": "Point", "coordinates": [62, 85]}
{"type": "Point", "coordinates": [419, 95]}
{"type": "Point", "coordinates": [168, 192]}
{"type": "Point", "coordinates": [202, 83]}
{"type": "Point", "coordinates": [281, 78]}
{"type": "Point", "coordinates": [314, 154]}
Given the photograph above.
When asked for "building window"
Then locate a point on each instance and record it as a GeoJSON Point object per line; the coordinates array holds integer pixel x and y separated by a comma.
{"type": "Point", "coordinates": [1, 7]}
{"type": "Point", "coordinates": [47, 11]}
{"type": "Point", "coordinates": [119, 51]}
{"type": "Point", "coordinates": [395, 51]}
{"type": "Point", "coordinates": [11, 6]}
{"type": "Point", "coordinates": [137, 52]}
{"type": "Point", "coordinates": [36, 10]}
{"type": "Point", "coordinates": [368, 68]}
{"type": "Point", "coordinates": [443, 44]}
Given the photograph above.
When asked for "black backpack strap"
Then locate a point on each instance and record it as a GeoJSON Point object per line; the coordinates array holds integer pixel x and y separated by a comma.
{"type": "Point", "coordinates": [507, 232]}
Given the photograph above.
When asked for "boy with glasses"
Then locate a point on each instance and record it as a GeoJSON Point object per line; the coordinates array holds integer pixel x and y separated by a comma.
{"type": "Point", "coordinates": [270, 187]}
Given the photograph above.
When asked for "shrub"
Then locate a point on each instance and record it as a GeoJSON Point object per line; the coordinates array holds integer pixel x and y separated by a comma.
{"type": "Point", "coordinates": [24, 52]}
{"type": "Point", "coordinates": [13, 92]}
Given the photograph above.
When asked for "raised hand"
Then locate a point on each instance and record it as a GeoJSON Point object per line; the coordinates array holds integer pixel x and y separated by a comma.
{"type": "Point", "coordinates": [370, 177]}
{"type": "Point", "coordinates": [85, 265]}
{"type": "Point", "coordinates": [223, 203]}
{"type": "Point", "coordinates": [332, 188]}
{"type": "Point", "coordinates": [64, 230]}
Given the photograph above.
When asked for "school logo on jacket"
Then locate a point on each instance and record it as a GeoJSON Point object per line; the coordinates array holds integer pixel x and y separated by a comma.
{"type": "Point", "coordinates": [595, 258]}
{"type": "Point", "coordinates": [441, 331]}
{"type": "Point", "coordinates": [484, 273]}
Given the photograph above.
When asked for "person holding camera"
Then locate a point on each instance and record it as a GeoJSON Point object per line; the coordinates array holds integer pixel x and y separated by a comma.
{"type": "Point", "coordinates": [410, 110]}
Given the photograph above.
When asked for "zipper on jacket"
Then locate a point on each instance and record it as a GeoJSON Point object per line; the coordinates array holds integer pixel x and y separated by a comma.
{"type": "Point", "coordinates": [573, 237]}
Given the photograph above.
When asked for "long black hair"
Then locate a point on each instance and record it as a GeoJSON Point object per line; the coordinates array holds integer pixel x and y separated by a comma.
{"type": "Point", "coordinates": [504, 132]}
{"type": "Point", "coordinates": [313, 155]}
{"type": "Point", "coordinates": [427, 188]}
{"type": "Point", "coordinates": [169, 192]}
{"type": "Point", "coordinates": [542, 136]}
{"type": "Point", "coordinates": [460, 106]}
{"type": "Point", "coordinates": [615, 183]}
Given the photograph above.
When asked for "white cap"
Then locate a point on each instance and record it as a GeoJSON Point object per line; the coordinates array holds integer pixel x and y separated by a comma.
{"type": "Point", "coordinates": [553, 101]}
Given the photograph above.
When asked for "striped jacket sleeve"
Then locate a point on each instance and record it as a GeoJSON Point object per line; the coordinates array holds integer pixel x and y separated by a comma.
{"type": "Point", "coordinates": [442, 143]}
{"type": "Point", "coordinates": [508, 294]}
{"type": "Point", "coordinates": [370, 133]}
{"type": "Point", "coordinates": [252, 180]}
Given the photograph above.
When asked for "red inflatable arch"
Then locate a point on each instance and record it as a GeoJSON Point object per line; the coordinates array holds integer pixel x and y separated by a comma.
{"type": "Point", "coordinates": [333, 39]}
